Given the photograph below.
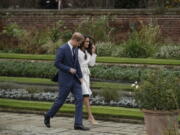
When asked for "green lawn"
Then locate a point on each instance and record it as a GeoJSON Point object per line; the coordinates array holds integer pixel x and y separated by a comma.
{"type": "Point", "coordinates": [99, 59]}
{"type": "Point", "coordinates": [97, 110]}
{"type": "Point", "coordinates": [100, 85]}
{"type": "Point", "coordinates": [105, 111]}
{"type": "Point", "coordinates": [26, 56]}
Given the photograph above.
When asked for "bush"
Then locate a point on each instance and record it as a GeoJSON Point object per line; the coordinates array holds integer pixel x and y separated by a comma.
{"type": "Point", "coordinates": [104, 48]}
{"type": "Point", "coordinates": [34, 41]}
{"type": "Point", "coordinates": [134, 48]}
{"type": "Point", "coordinates": [27, 69]}
{"type": "Point", "coordinates": [13, 30]}
{"type": "Point", "coordinates": [98, 28]}
{"type": "Point", "coordinates": [118, 51]}
{"type": "Point", "coordinates": [143, 43]}
{"type": "Point", "coordinates": [109, 49]}
{"type": "Point", "coordinates": [10, 36]}
{"type": "Point", "coordinates": [158, 92]}
{"type": "Point", "coordinates": [168, 52]}
{"type": "Point", "coordinates": [100, 72]}
{"type": "Point", "coordinates": [110, 95]}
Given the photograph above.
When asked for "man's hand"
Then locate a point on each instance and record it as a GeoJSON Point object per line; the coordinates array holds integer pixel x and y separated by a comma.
{"type": "Point", "coordinates": [81, 80]}
{"type": "Point", "coordinates": [72, 71]}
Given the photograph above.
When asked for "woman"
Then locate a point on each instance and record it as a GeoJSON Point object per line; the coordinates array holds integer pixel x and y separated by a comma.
{"type": "Point", "coordinates": [87, 57]}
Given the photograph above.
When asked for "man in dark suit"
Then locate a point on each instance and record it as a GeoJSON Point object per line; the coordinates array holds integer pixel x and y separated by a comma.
{"type": "Point", "coordinates": [70, 78]}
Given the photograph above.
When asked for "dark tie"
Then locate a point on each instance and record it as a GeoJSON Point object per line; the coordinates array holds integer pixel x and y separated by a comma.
{"type": "Point", "coordinates": [73, 52]}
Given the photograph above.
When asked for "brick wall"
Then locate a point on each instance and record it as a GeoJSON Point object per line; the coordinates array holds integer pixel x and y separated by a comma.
{"type": "Point", "coordinates": [168, 20]}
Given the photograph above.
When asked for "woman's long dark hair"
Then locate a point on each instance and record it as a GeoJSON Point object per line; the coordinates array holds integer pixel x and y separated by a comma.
{"type": "Point", "coordinates": [91, 42]}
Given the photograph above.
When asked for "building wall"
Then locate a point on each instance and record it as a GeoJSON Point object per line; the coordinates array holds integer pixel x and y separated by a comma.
{"type": "Point", "coordinates": [169, 21]}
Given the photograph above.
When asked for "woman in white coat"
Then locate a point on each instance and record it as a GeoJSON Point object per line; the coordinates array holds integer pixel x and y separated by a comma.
{"type": "Point", "coordinates": [87, 57]}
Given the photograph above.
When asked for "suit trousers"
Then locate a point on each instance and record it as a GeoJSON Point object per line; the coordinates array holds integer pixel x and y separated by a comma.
{"type": "Point", "coordinates": [64, 90]}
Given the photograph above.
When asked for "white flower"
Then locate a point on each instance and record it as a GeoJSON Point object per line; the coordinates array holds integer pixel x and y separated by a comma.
{"type": "Point", "coordinates": [137, 86]}
{"type": "Point", "coordinates": [136, 82]}
{"type": "Point", "coordinates": [132, 85]}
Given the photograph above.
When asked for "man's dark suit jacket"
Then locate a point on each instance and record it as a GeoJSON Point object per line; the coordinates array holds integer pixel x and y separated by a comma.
{"type": "Point", "coordinates": [64, 61]}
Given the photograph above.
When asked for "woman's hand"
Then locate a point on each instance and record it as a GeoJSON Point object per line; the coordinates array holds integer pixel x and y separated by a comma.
{"type": "Point", "coordinates": [93, 48]}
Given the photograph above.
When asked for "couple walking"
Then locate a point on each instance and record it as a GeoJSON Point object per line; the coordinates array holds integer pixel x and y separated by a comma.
{"type": "Point", "coordinates": [72, 64]}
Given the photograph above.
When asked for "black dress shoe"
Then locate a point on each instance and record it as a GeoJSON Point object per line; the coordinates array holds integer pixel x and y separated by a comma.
{"type": "Point", "coordinates": [81, 127]}
{"type": "Point", "coordinates": [47, 120]}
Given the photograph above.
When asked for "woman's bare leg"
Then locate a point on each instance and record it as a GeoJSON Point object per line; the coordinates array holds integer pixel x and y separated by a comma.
{"type": "Point", "coordinates": [88, 108]}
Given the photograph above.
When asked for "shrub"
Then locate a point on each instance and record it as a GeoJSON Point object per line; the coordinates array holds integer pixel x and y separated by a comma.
{"type": "Point", "coordinates": [13, 30]}
{"type": "Point", "coordinates": [110, 95]}
{"type": "Point", "coordinates": [118, 51]}
{"type": "Point", "coordinates": [104, 48]}
{"type": "Point", "coordinates": [59, 31]}
{"type": "Point", "coordinates": [168, 52]}
{"type": "Point", "coordinates": [98, 28]}
{"type": "Point", "coordinates": [10, 36]}
{"type": "Point", "coordinates": [100, 72]}
{"type": "Point", "coordinates": [34, 41]}
{"type": "Point", "coordinates": [143, 43]}
{"type": "Point", "coordinates": [134, 48]}
{"type": "Point", "coordinates": [109, 49]}
{"type": "Point", "coordinates": [158, 91]}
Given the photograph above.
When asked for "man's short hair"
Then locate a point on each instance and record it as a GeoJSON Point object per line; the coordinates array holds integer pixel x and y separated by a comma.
{"type": "Point", "coordinates": [77, 36]}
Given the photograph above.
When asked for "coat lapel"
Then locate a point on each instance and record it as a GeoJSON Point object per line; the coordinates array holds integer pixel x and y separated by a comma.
{"type": "Point", "coordinates": [70, 53]}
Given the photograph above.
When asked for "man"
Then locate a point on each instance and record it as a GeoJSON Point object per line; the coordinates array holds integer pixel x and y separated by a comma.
{"type": "Point", "coordinates": [70, 78]}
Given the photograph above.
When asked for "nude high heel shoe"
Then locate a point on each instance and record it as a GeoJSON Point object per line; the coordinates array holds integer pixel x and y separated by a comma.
{"type": "Point", "coordinates": [92, 121]}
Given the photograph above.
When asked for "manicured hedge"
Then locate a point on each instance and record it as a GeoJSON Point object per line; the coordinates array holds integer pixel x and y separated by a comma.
{"type": "Point", "coordinates": [47, 70]}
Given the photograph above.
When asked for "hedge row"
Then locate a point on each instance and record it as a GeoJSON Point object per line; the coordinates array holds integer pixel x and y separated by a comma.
{"type": "Point", "coordinates": [47, 70]}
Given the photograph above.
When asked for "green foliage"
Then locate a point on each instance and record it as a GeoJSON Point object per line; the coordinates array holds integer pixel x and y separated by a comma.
{"type": "Point", "coordinates": [168, 51]}
{"type": "Point", "coordinates": [134, 47]}
{"type": "Point", "coordinates": [34, 41]}
{"type": "Point", "coordinates": [6, 81]}
{"type": "Point", "coordinates": [104, 48]}
{"type": "Point", "coordinates": [109, 49]}
{"type": "Point", "coordinates": [66, 35]}
{"type": "Point", "coordinates": [110, 95]}
{"type": "Point", "coordinates": [118, 51]}
{"type": "Point", "coordinates": [55, 32]}
{"type": "Point", "coordinates": [13, 30]}
{"type": "Point", "coordinates": [143, 43]}
{"type": "Point", "coordinates": [98, 28]}
{"type": "Point", "coordinates": [59, 31]}
{"type": "Point", "coordinates": [28, 69]}
{"type": "Point", "coordinates": [47, 70]}
{"type": "Point", "coordinates": [109, 60]}
{"type": "Point", "coordinates": [99, 110]}
{"type": "Point", "coordinates": [159, 91]}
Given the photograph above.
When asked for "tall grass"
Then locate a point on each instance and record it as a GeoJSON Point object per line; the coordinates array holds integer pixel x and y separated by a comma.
{"type": "Point", "coordinates": [143, 43]}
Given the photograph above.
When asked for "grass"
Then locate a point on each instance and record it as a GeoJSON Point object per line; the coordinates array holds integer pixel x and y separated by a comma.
{"type": "Point", "coordinates": [99, 59]}
{"type": "Point", "coordinates": [103, 111]}
{"type": "Point", "coordinates": [138, 61]}
{"type": "Point", "coordinates": [97, 110]}
{"type": "Point", "coordinates": [42, 81]}
{"type": "Point", "coordinates": [26, 56]}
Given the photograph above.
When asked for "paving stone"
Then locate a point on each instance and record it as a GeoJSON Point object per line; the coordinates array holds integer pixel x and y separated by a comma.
{"type": "Point", "coordinates": [32, 124]}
